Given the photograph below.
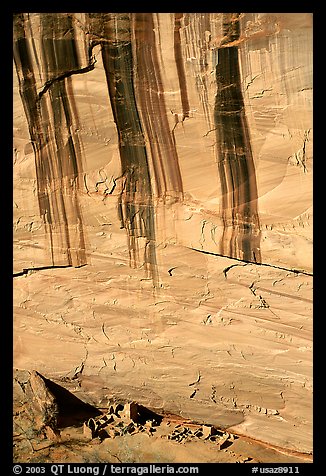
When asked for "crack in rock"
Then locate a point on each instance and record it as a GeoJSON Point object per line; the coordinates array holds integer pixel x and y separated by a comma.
{"type": "Point", "coordinates": [62, 76]}
{"type": "Point", "coordinates": [29, 271]}
{"type": "Point", "coordinates": [227, 269]}
{"type": "Point", "coordinates": [293, 270]}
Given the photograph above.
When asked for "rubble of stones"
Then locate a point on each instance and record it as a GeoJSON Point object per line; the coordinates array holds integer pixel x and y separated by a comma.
{"type": "Point", "coordinates": [125, 419]}
{"type": "Point", "coordinates": [118, 421]}
{"type": "Point", "coordinates": [182, 433]}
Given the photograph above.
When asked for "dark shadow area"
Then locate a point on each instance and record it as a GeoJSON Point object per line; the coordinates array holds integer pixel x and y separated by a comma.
{"type": "Point", "coordinates": [72, 410]}
{"type": "Point", "coordinates": [226, 444]}
{"type": "Point", "coordinates": [145, 414]}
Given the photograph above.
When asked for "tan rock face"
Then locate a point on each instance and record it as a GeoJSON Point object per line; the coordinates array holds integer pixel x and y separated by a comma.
{"type": "Point", "coordinates": [163, 213]}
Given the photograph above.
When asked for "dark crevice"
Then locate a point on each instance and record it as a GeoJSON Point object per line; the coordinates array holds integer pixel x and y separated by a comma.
{"type": "Point", "coordinates": [62, 76]}
{"type": "Point", "coordinates": [170, 271]}
{"type": "Point", "coordinates": [293, 270]}
{"type": "Point", "coordinates": [42, 268]}
{"type": "Point", "coordinates": [227, 269]}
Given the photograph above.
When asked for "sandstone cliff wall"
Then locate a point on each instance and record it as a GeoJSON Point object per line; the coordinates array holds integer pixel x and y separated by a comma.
{"type": "Point", "coordinates": [165, 160]}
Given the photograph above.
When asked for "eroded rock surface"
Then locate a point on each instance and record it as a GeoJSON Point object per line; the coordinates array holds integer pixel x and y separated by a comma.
{"type": "Point", "coordinates": [163, 214]}
{"type": "Point", "coordinates": [119, 432]}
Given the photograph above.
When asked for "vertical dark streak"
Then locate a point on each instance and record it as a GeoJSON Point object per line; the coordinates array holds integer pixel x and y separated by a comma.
{"type": "Point", "coordinates": [241, 233]}
{"type": "Point", "coordinates": [48, 119]}
{"type": "Point", "coordinates": [180, 66]}
{"type": "Point", "coordinates": [58, 44]}
{"type": "Point", "coordinates": [28, 92]}
{"type": "Point", "coordinates": [78, 146]}
{"type": "Point", "coordinates": [195, 27]}
{"type": "Point", "coordinates": [33, 43]}
{"type": "Point", "coordinates": [135, 208]}
{"type": "Point", "coordinates": [165, 159]}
